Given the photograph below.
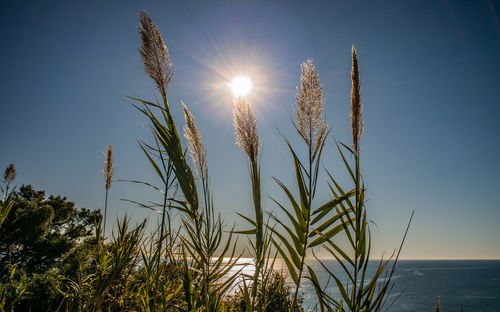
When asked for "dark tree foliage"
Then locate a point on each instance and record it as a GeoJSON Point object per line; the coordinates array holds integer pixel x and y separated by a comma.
{"type": "Point", "coordinates": [39, 231]}
{"type": "Point", "coordinates": [46, 239]}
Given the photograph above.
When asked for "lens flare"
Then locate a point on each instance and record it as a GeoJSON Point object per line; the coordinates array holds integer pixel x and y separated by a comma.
{"type": "Point", "coordinates": [241, 86]}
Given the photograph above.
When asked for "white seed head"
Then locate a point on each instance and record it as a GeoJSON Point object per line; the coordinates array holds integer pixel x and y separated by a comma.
{"type": "Point", "coordinates": [154, 53]}
{"type": "Point", "coordinates": [245, 127]}
{"type": "Point", "coordinates": [310, 118]}
{"type": "Point", "coordinates": [196, 148]}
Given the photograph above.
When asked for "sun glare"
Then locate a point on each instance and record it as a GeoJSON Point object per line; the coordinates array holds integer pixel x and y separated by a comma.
{"type": "Point", "coordinates": [241, 86]}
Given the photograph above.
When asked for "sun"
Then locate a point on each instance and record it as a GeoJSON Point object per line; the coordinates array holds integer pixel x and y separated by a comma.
{"type": "Point", "coordinates": [241, 86]}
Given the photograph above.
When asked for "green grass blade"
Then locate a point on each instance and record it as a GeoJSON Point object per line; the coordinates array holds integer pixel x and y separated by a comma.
{"type": "Point", "coordinates": [291, 268]}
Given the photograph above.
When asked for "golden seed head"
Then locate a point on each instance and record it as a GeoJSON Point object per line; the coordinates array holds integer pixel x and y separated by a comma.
{"type": "Point", "coordinates": [356, 108]}
{"type": "Point", "coordinates": [10, 174]}
{"type": "Point", "coordinates": [310, 118]}
{"type": "Point", "coordinates": [108, 170]}
{"type": "Point", "coordinates": [195, 144]}
{"type": "Point", "coordinates": [154, 53]}
{"type": "Point", "coordinates": [245, 127]}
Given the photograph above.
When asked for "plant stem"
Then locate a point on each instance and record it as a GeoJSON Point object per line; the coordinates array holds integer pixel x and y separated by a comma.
{"type": "Point", "coordinates": [309, 202]}
{"type": "Point", "coordinates": [105, 212]}
{"type": "Point", "coordinates": [255, 176]}
{"type": "Point", "coordinates": [162, 222]}
{"type": "Point", "coordinates": [358, 213]}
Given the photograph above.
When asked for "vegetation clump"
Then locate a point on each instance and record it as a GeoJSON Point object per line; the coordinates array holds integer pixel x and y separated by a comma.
{"type": "Point", "coordinates": [43, 242]}
{"type": "Point", "coordinates": [54, 256]}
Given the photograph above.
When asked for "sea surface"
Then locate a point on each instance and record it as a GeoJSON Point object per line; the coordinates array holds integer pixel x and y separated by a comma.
{"type": "Point", "coordinates": [463, 285]}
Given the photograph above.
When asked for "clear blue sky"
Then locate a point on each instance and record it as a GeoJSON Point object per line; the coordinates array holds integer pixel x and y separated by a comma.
{"type": "Point", "coordinates": [430, 75]}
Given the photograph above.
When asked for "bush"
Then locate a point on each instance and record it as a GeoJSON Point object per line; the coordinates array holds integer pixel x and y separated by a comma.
{"type": "Point", "coordinates": [44, 239]}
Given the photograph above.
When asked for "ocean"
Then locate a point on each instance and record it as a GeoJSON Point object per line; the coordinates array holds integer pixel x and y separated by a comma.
{"type": "Point", "coordinates": [463, 285]}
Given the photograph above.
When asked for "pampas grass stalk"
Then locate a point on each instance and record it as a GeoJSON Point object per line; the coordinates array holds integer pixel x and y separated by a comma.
{"type": "Point", "coordinates": [247, 138]}
{"type": "Point", "coordinates": [356, 108]}
{"type": "Point", "coordinates": [245, 125]}
{"type": "Point", "coordinates": [6, 203]}
{"type": "Point", "coordinates": [154, 53]}
{"type": "Point", "coordinates": [198, 155]}
{"type": "Point", "coordinates": [196, 148]}
{"type": "Point", "coordinates": [294, 242]}
{"type": "Point", "coordinates": [360, 292]}
{"type": "Point", "coordinates": [108, 173]}
{"type": "Point", "coordinates": [9, 176]}
{"type": "Point", "coordinates": [311, 126]}
{"type": "Point", "coordinates": [157, 64]}
{"type": "Point", "coordinates": [205, 230]}
{"type": "Point", "coordinates": [356, 131]}
{"type": "Point", "coordinates": [310, 119]}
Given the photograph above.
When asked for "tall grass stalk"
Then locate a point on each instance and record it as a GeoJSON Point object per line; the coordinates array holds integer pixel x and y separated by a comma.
{"type": "Point", "coordinates": [203, 231]}
{"type": "Point", "coordinates": [310, 125]}
{"type": "Point", "coordinates": [198, 154]}
{"type": "Point", "coordinates": [9, 176]}
{"type": "Point", "coordinates": [164, 169]}
{"type": "Point", "coordinates": [247, 138]}
{"type": "Point", "coordinates": [294, 241]}
{"type": "Point", "coordinates": [108, 173]}
{"type": "Point", "coordinates": [206, 233]}
{"type": "Point", "coordinates": [359, 211]}
{"type": "Point", "coordinates": [360, 292]}
{"type": "Point", "coordinates": [6, 203]}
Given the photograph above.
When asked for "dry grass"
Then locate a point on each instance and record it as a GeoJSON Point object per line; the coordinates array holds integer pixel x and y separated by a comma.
{"type": "Point", "coordinates": [310, 118]}
{"type": "Point", "coordinates": [245, 126]}
{"type": "Point", "coordinates": [356, 108]}
{"type": "Point", "coordinates": [196, 148]}
{"type": "Point", "coordinates": [108, 170]}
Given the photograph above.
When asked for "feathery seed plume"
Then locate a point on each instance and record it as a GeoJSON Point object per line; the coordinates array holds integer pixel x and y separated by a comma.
{"type": "Point", "coordinates": [356, 108]}
{"type": "Point", "coordinates": [154, 53]}
{"type": "Point", "coordinates": [245, 127]}
{"type": "Point", "coordinates": [196, 148]}
{"type": "Point", "coordinates": [108, 170]}
{"type": "Point", "coordinates": [310, 122]}
{"type": "Point", "coordinates": [9, 174]}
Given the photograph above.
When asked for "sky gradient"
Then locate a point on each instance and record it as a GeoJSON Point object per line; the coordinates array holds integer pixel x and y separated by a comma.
{"type": "Point", "coordinates": [430, 75]}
